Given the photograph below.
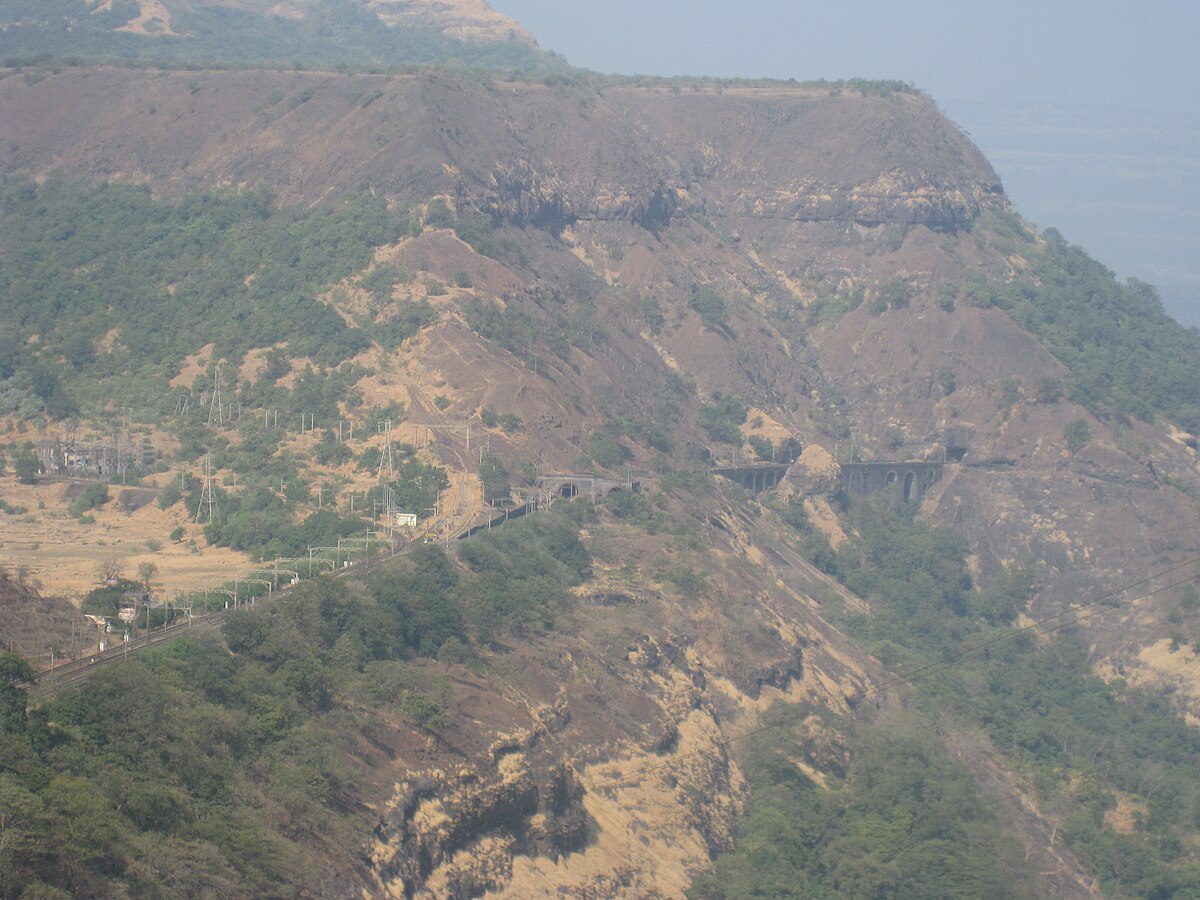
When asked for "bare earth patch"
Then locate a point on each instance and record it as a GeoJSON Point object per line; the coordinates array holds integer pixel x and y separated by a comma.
{"type": "Point", "coordinates": [153, 19]}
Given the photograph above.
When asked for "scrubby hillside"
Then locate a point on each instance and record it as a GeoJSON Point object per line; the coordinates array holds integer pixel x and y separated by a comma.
{"type": "Point", "coordinates": [634, 281]}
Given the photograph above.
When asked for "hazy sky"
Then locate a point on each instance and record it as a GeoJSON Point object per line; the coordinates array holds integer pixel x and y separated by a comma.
{"type": "Point", "coordinates": [1090, 111]}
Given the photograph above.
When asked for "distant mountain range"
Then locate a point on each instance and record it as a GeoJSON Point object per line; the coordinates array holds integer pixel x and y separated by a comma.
{"type": "Point", "coordinates": [358, 34]}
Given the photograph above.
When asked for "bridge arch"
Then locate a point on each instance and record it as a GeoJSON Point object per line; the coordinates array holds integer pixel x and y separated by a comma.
{"type": "Point", "coordinates": [909, 479]}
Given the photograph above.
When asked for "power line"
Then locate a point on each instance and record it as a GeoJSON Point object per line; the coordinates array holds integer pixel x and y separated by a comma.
{"type": "Point", "coordinates": [214, 403]}
{"type": "Point", "coordinates": [208, 500]}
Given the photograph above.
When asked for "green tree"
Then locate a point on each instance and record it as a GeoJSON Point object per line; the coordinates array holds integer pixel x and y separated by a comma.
{"type": "Point", "coordinates": [722, 419]}
{"type": "Point", "coordinates": [894, 294]}
{"type": "Point", "coordinates": [22, 838]}
{"type": "Point", "coordinates": [146, 571]}
{"type": "Point", "coordinates": [13, 669]}
{"type": "Point", "coordinates": [93, 496]}
{"type": "Point", "coordinates": [606, 449]}
{"type": "Point", "coordinates": [25, 464]}
{"type": "Point", "coordinates": [1077, 435]}
{"type": "Point", "coordinates": [1008, 395]}
{"type": "Point", "coordinates": [948, 380]}
{"type": "Point", "coordinates": [497, 485]}
{"type": "Point", "coordinates": [710, 305]}
{"type": "Point", "coordinates": [1050, 390]}
{"type": "Point", "coordinates": [438, 214]}
{"type": "Point", "coordinates": [762, 447]}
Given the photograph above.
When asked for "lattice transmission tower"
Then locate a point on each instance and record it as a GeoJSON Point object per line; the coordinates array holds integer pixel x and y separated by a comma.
{"type": "Point", "coordinates": [207, 507]}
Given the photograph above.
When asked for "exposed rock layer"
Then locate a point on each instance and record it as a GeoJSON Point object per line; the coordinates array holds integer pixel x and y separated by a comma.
{"type": "Point", "coordinates": [534, 155]}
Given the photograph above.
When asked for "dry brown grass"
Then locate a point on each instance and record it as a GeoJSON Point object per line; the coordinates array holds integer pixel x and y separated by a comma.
{"type": "Point", "coordinates": [62, 554]}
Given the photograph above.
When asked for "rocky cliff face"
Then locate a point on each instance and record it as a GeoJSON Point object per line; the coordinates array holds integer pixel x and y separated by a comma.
{"type": "Point", "coordinates": [601, 766]}
{"type": "Point", "coordinates": [536, 155]}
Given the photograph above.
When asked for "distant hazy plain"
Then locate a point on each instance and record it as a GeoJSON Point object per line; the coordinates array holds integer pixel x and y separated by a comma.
{"type": "Point", "coordinates": [1123, 182]}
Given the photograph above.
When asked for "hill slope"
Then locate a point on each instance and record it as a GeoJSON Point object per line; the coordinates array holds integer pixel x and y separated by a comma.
{"type": "Point", "coordinates": [377, 34]}
{"type": "Point", "coordinates": [644, 277]}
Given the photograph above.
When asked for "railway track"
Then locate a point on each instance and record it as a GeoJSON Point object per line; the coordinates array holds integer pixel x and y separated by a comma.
{"type": "Point", "coordinates": [81, 669]}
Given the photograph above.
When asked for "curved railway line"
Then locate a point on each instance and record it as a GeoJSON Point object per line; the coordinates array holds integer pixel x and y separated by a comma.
{"type": "Point", "coordinates": [81, 669]}
{"type": "Point", "coordinates": [78, 670]}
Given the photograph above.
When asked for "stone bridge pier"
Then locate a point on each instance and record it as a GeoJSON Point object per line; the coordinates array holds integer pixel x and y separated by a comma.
{"type": "Point", "coordinates": [754, 478]}
{"type": "Point", "coordinates": [569, 485]}
{"type": "Point", "coordinates": [909, 479]}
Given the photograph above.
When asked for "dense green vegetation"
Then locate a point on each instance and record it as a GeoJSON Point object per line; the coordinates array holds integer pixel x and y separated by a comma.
{"type": "Point", "coordinates": [261, 523]}
{"type": "Point", "coordinates": [79, 263]}
{"type": "Point", "coordinates": [332, 33]}
{"type": "Point", "coordinates": [497, 486]}
{"type": "Point", "coordinates": [1126, 356]}
{"type": "Point", "coordinates": [900, 821]}
{"type": "Point", "coordinates": [207, 769]}
{"type": "Point", "coordinates": [209, 783]}
{"type": "Point", "coordinates": [722, 419]}
{"type": "Point", "coordinates": [516, 580]}
{"type": "Point", "coordinates": [1085, 744]}
{"type": "Point", "coordinates": [414, 484]}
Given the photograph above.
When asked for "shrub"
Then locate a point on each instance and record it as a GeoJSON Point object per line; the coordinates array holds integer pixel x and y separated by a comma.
{"type": "Point", "coordinates": [1077, 434]}
{"type": "Point", "coordinates": [25, 465]}
{"type": "Point", "coordinates": [1050, 390]}
{"type": "Point", "coordinates": [633, 508]}
{"type": "Point", "coordinates": [438, 214]}
{"type": "Point", "coordinates": [762, 447]}
{"type": "Point", "coordinates": [722, 419]}
{"type": "Point", "coordinates": [93, 496]}
{"type": "Point", "coordinates": [946, 297]}
{"type": "Point", "coordinates": [652, 314]}
{"type": "Point", "coordinates": [606, 449]}
{"type": "Point", "coordinates": [893, 294]}
{"type": "Point", "coordinates": [495, 478]}
{"type": "Point", "coordinates": [1008, 394]}
{"type": "Point", "coordinates": [948, 380]}
{"type": "Point", "coordinates": [710, 305]}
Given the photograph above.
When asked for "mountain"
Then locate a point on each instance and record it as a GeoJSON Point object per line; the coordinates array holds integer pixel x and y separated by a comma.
{"type": "Point", "coordinates": [358, 34]}
{"type": "Point", "coordinates": [636, 280]}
